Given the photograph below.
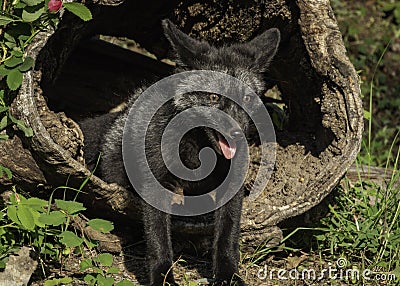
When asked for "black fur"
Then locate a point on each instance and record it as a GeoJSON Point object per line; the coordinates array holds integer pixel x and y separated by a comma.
{"type": "Point", "coordinates": [248, 62]}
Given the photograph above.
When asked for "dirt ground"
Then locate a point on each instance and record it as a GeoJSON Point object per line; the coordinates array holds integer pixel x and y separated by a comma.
{"type": "Point", "coordinates": [189, 270]}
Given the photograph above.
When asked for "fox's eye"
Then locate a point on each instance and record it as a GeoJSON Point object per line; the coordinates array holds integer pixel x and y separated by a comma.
{"type": "Point", "coordinates": [214, 98]}
{"type": "Point", "coordinates": [246, 98]}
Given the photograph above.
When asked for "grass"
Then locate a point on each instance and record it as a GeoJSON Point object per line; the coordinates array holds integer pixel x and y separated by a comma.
{"type": "Point", "coordinates": [361, 233]}
{"type": "Point", "coordinates": [363, 227]}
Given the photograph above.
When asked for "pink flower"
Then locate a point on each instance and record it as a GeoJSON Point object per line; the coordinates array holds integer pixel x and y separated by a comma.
{"type": "Point", "coordinates": [54, 5]}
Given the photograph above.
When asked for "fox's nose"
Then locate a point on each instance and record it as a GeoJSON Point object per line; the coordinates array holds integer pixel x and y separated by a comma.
{"type": "Point", "coordinates": [236, 134]}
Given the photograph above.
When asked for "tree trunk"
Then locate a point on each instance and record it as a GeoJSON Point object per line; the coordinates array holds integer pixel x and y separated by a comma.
{"type": "Point", "coordinates": [75, 78]}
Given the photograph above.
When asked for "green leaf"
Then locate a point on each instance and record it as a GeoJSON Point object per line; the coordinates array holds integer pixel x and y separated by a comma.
{"type": "Point", "coordinates": [9, 38]}
{"type": "Point", "coordinates": [36, 203]}
{"type": "Point", "coordinates": [32, 2]}
{"type": "Point", "coordinates": [85, 264]}
{"type": "Point", "coordinates": [4, 70]}
{"type": "Point", "coordinates": [12, 214]}
{"type": "Point", "coordinates": [22, 39]}
{"type": "Point", "coordinates": [3, 122]}
{"type": "Point", "coordinates": [36, 216]}
{"type": "Point", "coordinates": [27, 64]}
{"type": "Point", "coordinates": [70, 239]}
{"type": "Point", "coordinates": [19, 5]}
{"type": "Point", "coordinates": [3, 136]}
{"type": "Point", "coordinates": [104, 259]}
{"type": "Point", "coordinates": [13, 62]}
{"type": "Point", "coordinates": [4, 20]}
{"type": "Point", "coordinates": [113, 270]}
{"type": "Point", "coordinates": [124, 283]}
{"type": "Point", "coordinates": [14, 79]}
{"type": "Point", "coordinates": [79, 10]}
{"type": "Point", "coordinates": [25, 217]}
{"type": "Point", "coordinates": [58, 281]}
{"type": "Point", "coordinates": [30, 14]}
{"type": "Point", "coordinates": [21, 126]}
{"type": "Point", "coordinates": [101, 225]}
{"type": "Point", "coordinates": [53, 218]}
{"type": "Point", "coordinates": [10, 45]}
{"type": "Point", "coordinates": [2, 109]}
{"type": "Point", "coordinates": [71, 207]}
{"type": "Point", "coordinates": [6, 171]}
{"type": "Point", "coordinates": [367, 115]}
{"type": "Point", "coordinates": [90, 279]}
{"type": "Point", "coordinates": [3, 263]}
{"type": "Point", "coordinates": [105, 281]}
{"type": "Point", "coordinates": [17, 53]}
{"type": "Point", "coordinates": [91, 244]}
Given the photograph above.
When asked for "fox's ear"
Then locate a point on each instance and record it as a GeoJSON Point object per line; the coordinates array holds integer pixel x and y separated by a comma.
{"type": "Point", "coordinates": [186, 48]}
{"type": "Point", "coordinates": [265, 47]}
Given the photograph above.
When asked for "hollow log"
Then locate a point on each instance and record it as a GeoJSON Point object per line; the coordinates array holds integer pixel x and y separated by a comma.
{"type": "Point", "coordinates": [76, 77]}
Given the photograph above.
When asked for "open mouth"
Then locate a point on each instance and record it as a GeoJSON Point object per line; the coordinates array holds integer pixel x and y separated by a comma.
{"type": "Point", "coordinates": [228, 149]}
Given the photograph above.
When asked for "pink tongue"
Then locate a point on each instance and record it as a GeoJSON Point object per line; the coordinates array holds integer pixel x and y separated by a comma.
{"type": "Point", "coordinates": [228, 151]}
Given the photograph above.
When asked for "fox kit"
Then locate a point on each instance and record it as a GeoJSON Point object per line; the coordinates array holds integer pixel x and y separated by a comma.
{"type": "Point", "coordinates": [247, 62]}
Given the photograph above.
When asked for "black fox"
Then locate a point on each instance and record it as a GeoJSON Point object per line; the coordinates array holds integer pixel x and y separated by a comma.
{"type": "Point", "coordinates": [247, 62]}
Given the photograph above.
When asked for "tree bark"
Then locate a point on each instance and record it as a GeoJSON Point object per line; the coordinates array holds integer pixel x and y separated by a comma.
{"type": "Point", "coordinates": [74, 78]}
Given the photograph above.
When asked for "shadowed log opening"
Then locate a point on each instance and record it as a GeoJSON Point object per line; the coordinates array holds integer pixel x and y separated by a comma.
{"type": "Point", "coordinates": [77, 77]}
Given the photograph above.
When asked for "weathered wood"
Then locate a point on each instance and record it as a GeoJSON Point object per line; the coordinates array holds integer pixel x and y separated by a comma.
{"type": "Point", "coordinates": [316, 80]}
{"type": "Point", "coordinates": [383, 177]}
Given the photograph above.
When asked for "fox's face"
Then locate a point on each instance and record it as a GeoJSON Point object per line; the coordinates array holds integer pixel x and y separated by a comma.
{"type": "Point", "coordinates": [246, 62]}
{"type": "Point", "coordinates": [232, 122]}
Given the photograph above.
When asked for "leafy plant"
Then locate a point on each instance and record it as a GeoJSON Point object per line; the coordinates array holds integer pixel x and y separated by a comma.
{"type": "Point", "coordinates": [33, 219]}
{"type": "Point", "coordinates": [35, 222]}
{"type": "Point", "coordinates": [101, 270]}
{"type": "Point", "coordinates": [58, 281]}
{"type": "Point", "coordinates": [20, 22]}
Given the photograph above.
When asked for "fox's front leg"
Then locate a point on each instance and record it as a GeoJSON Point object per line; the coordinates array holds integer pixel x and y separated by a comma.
{"type": "Point", "coordinates": [226, 254]}
{"type": "Point", "coordinates": [159, 256]}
